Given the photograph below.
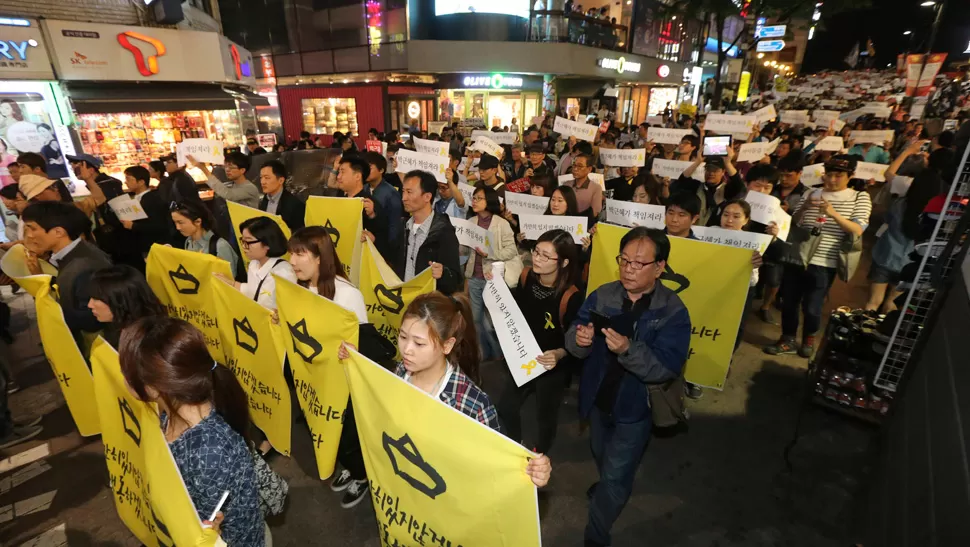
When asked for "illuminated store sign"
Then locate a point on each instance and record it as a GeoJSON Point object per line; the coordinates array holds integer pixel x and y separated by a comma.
{"type": "Point", "coordinates": [620, 65]}
{"type": "Point", "coordinates": [492, 81]}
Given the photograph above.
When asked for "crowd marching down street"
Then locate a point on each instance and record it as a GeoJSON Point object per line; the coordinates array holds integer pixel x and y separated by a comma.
{"type": "Point", "coordinates": [612, 267]}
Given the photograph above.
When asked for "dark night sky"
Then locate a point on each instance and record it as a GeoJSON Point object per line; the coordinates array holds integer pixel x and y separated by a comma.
{"type": "Point", "coordinates": [885, 26]}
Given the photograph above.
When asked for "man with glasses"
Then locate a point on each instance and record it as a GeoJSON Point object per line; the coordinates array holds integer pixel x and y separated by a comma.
{"type": "Point", "coordinates": [589, 195]}
{"type": "Point", "coordinates": [238, 189]}
{"type": "Point", "coordinates": [631, 333]}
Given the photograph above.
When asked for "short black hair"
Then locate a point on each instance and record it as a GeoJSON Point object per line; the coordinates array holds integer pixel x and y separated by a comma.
{"type": "Point", "coordinates": [268, 233]}
{"type": "Point", "coordinates": [660, 241]}
{"type": "Point", "coordinates": [239, 159]}
{"type": "Point", "coordinates": [10, 191]}
{"type": "Point", "coordinates": [356, 163]}
{"type": "Point", "coordinates": [455, 154]}
{"type": "Point", "coordinates": [762, 171]}
{"type": "Point", "coordinates": [158, 166]}
{"type": "Point", "coordinates": [492, 203]}
{"type": "Point", "coordinates": [33, 160]}
{"type": "Point", "coordinates": [429, 184]}
{"type": "Point", "coordinates": [276, 166]}
{"type": "Point", "coordinates": [138, 172]}
{"type": "Point", "coordinates": [645, 125]}
{"type": "Point", "coordinates": [584, 148]}
{"type": "Point", "coordinates": [688, 201]}
{"type": "Point", "coordinates": [945, 139]}
{"type": "Point", "coordinates": [694, 140]}
{"type": "Point", "coordinates": [393, 148]}
{"type": "Point", "coordinates": [127, 294]}
{"type": "Point", "coordinates": [57, 214]}
{"type": "Point", "coordinates": [376, 160]}
{"type": "Point", "coordinates": [194, 210]}
{"type": "Point", "coordinates": [304, 135]}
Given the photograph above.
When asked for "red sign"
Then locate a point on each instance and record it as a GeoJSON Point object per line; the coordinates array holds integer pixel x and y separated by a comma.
{"type": "Point", "coordinates": [932, 67]}
{"type": "Point", "coordinates": [375, 146]}
{"type": "Point", "coordinates": [150, 67]}
{"type": "Point", "coordinates": [914, 66]}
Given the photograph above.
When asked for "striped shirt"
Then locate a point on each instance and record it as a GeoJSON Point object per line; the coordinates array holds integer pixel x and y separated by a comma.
{"type": "Point", "coordinates": [849, 204]}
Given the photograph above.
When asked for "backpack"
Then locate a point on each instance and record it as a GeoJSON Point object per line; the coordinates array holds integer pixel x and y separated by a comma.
{"type": "Point", "coordinates": [563, 301]}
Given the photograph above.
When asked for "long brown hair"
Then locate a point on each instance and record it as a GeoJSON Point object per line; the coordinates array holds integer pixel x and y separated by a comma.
{"type": "Point", "coordinates": [566, 273]}
{"type": "Point", "coordinates": [316, 241]}
{"type": "Point", "coordinates": [450, 317]}
{"type": "Point", "coordinates": [169, 355]}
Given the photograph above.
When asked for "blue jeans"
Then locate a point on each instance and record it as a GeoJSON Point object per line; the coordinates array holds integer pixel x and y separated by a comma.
{"type": "Point", "coordinates": [804, 288]}
{"type": "Point", "coordinates": [617, 449]}
{"type": "Point", "coordinates": [487, 339]}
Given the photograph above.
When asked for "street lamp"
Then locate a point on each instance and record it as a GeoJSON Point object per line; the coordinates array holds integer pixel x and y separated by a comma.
{"type": "Point", "coordinates": [938, 6]}
{"type": "Point", "coordinates": [928, 3]}
{"type": "Point", "coordinates": [907, 33]}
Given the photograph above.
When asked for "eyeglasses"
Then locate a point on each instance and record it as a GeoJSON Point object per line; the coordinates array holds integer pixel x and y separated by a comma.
{"type": "Point", "coordinates": [246, 243]}
{"type": "Point", "coordinates": [536, 254]}
{"type": "Point", "coordinates": [478, 198]}
{"type": "Point", "coordinates": [574, 166]}
{"type": "Point", "coordinates": [633, 264]}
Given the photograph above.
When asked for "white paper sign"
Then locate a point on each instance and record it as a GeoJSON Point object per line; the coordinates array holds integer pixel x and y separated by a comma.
{"type": "Point", "coordinates": [597, 178]}
{"type": "Point", "coordinates": [794, 117]}
{"type": "Point", "coordinates": [812, 174]}
{"type": "Point", "coordinates": [519, 346]}
{"type": "Point", "coordinates": [628, 213]}
{"type": "Point", "coordinates": [434, 148]}
{"type": "Point", "coordinates": [500, 137]}
{"type": "Point", "coordinates": [674, 169]}
{"type": "Point", "coordinates": [662, 135]}
{"type": "Point", "coordinates": [534, 226]}
{"type": "Point", "coordinates": [203, 150]}
{"type": "Point", "coordinates": [765, 114]}
{"type": "Point", "coordinates": [876, 111]}
{"type": "Point", "coordinates": [580, 130]}
{"type": "Point", "coordinates": [436, 127]}
{"type": "Point", "coordinates": [470, 234]}
{"type": "Point", "coordinates": [654, 120]}
{"type": "Point", "coordinates": [763, 207]}
{"type": "Point", "coordinates": [410, 161]}
{"type": "Point", "coordinates": [616, 157]}
{"type": "Point", "coordinates": [733, 238]}
{"type": "Point", "coordinates": [823, 117]}
{"type": "Point", "coordinates": [865, 171]}
{"type": "Point", "coordinates": [563, 179]}
{"type": "Point", "coordinates": [830, 144]}
{"type": "Point", "coordinates": [526, 204]}
{"type": "Point", "coordinates": [488, 146]}
{"type": "Point", "coordinates": [722, 123]}
{"type": "Point", "coordinates": [900, 185]}
{"type": "Point", "coordinates": [467, 191]}
{"type": "Point", "coordinates": [754, 151]}
{"type": "Point", "coordinates": [783, 220]}
{"type": "Point", "coordinates": [127, 208]}
{"type": "Point", "coordinates": [875, 137]}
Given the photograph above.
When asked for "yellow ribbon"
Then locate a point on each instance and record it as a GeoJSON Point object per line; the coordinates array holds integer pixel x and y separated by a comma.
{"type": "Point", "coordinates": [549, 324]}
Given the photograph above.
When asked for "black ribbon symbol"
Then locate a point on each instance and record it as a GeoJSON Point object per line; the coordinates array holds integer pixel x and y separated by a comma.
{"type": "Point", "coordinates": [405, 447]}
{"type": "Point", "coordinates": [389, 299]}
{"type": "Point", "coordinates": [670, 275]}
{"type": "Point", "coordinates": [334, 233]}
{"type": "Point", "coordinates": [127, 414]}
{"type": "Point", "coordinates": [185, 283]}
{"type": "Point", "coordinates": [300, 334]}
{"type": "Point", "coordinates": [246, 337]}
{"type": "Point", "coordinates": [160, 527]}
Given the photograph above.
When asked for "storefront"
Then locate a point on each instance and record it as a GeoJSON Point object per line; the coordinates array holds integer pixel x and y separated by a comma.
{"type": "Point", "coordinates": [498, 99]}
{"type": "Point", "coordinates": [137, 92]}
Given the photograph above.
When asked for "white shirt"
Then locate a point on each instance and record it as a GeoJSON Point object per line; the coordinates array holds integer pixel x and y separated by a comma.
{"type": "Point", "coordinates": [137, 197]}
{"type": "Point", "coordinates": [267, 291]}
{"type": "Point", "coordinates": [417, 235]}
{"type": "Point", "coordinates": [348, 297]}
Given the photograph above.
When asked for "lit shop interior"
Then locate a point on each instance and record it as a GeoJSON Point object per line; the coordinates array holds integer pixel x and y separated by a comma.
{"type": "Point", "coordinates": [495, 98]}
{"type": "Point", "coordinates": [324, 116]}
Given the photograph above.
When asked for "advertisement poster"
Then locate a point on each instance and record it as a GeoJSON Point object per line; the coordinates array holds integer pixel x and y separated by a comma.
{"type": "Point", "coordinates": [25, 126]}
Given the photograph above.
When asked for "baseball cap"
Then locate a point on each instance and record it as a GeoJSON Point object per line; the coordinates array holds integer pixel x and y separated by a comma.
{"type": "Point", "coordinates": [487, 161]}
{"type": "Point", "coordinates": [96, 162]}
{"type": "Point", "coordinates": [842, 162]}
{"type": "Point", "coordinates": [32, 185]}
{"type": "Point", "coordinates": [716, 162]}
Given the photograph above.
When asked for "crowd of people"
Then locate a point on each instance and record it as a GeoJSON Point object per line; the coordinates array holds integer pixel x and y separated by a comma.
{"type": "Point", "coordinates": [447, 334]}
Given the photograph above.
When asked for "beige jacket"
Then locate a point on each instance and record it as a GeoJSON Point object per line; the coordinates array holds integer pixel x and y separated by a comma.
{"type": "Point", "coordinates": [505, 251]}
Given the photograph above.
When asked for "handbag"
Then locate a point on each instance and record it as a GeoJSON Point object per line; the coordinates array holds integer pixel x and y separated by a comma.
{"type": "Point", "coordinates": [272, 487]}
{"type": "Point", "coordinates": [667, 402]}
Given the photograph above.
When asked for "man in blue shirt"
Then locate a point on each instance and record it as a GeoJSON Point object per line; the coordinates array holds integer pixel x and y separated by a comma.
{"type": "Point", "coordinates": [870, 153]}
{"type": "Point", "coordinates": [387, 197]}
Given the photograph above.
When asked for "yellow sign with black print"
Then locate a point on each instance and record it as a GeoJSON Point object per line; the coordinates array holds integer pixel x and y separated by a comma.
{"type": "Point", "coordinates": [385, 295]}
{"type": "Point", "coordinates": [711, 279]}
{"type": "Point", "coordinates": [342, 219]}
{"type": "Point", "coordinates": [14, 265]}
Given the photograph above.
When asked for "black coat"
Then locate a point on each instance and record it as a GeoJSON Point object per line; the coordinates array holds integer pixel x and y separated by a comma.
{"type": "Point", "coordinates": [441, 246]}
{"type": "Point", "coordinates": [291, 208]}
{"type": "Point", "coordinates": [157, 228]}
{"type": "Point", "coordinates": [73, 281]}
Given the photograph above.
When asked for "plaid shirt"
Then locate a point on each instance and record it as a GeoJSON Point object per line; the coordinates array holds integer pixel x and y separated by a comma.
{"type": "Point", "coordinates": [464, 396]}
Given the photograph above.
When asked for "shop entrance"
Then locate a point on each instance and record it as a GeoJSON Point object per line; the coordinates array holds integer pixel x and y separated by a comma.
{"type": "Point", "coordinates": [495, 108]}
{"type": "Point", "coordinates": [408, 112]}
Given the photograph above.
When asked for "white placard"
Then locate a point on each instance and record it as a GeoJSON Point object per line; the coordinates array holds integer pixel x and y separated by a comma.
{"type": "Point", "coordinates": [733, 238]}
{"type": "Point", "coordinates": [900, 185]}
{"type": "Point", "coordinates": [470, 234]}
{"type": "Point", "coordinates": [597, 178]}
{"type": "Point", "coordinates": [434, 148]}
{"type": "Point", "coordinates": [876, 111]}
{"type": "Point", "coordinates": [812, 174]}
{"type": "Point", "coordinates": [519, 346]}
{"type": "Point", "coordinates": [500, 137]}
{"type": "Point", "coordinates": [464, 162]}
{"type": "Point", "coordinates": [563, 179]}
{"type": "Point", "coordinates": [662, 135]}
{"type": "Point", "coordinates": [830, 144]}
{"type": "Point", "coordinates": [410, 161]}
{"type": "Point", "coordinates": [794, 117]}
{"type": "Point", "coordinates": [488, 146]}
{"type": "Point", "coordinates": [876, 137]}
{"type": "Point", "coordinates": [616, 157]}
{"type": "Point", "coordinates": [865, 170]}
{"type": "Point", "coordinates": [127, 208]}
{"type": "Point", "coordinates": [526, 204]}
{"type": "Point", "coordinates": [823, 117]}
{"type": "Point", "coordinates": [437, 127]}
{"type": "Point", "coordinates": [534, 226]}
{"type": "Point", "coordinates": [765, 114]}
{"type": "Point", "coordinates": [203, 150]}
{"type": "Point", "coordinates": [580, 130]}
{"type": "Point", "coordinates": [467, 191]}
{"type": "Point", "coordinates": [783, 220]}
{"type": "Point", "coordinates": [754, 151]}
{"type": "Point", "coordinates": [266, 140]}
{"type": "Point", "coordinates": [628, 213]}
{"type": "Point", "coordinates": [675, 168]}
{"type": "Point", "coordinates": [654, 120]}
{"type": "Point", "coordinates": [828, 103]}
{"type": "Point", "coordinates": [763, 207]}
{"type": "Point", "coordinates": [722, 123]}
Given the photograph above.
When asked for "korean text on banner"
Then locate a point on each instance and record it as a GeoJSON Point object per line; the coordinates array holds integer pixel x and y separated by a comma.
{"type": "Point", "coordinates": [386, 297]}
{"type": "Point", "coordinates": [127, 208]}
{"type": "Point", "coordinates": [569, 128]}
{"type": "Point", "coordinates": [722, 123]}
{"type": "Point", "coordinates": [488, 146]}
{"type": "Point", "coordinates": [14, 265]}
{"type": "Point", "coordinates": [526, 204]}
{"type": "Point", "coordinates": [183, 280]}
{"type": "Point", "coordinates": [929, 72]}
{"type": "Point", "coordinates": [313, 329]}
{"type": "Point", "coordinates": [147, 487]}
{"type": "Point", "coordinates": [733, 238]}
{"type": "Point", "coordinates": [754, 151]}
{"type": "Point", "coordinates": [203, 150]}
{"type": "Point", "coordinates": [341, 218]}
{"type": "Point", "coordinates": [67, 362]}
{"type": "Point", "coordinates": [266, 140]}
{"type": "Point", "coordinates": [239, 213]}
{"type": "Point", "coordinates": [794, 117]}
{"type": "Point", "coordinates": [499, 137]}
{"type": "Point", "coordinates": [712, 280]}
{"type": "Point", "coordinates": [763, 207]}
{"type": "Point", "coordinates": [467, 191]}
{"type": "Point", "coordinates": [914, 67]}
{"type": "Point", "coordinates": [255, 356]}
{"type": "Point", "coordinates": [866, 170]}
{"type": "Point", "coordinates": [876, 137]}
{"type": "Point", "coordinates": [830, 144]}
{"type": "Point", "coordinates": [622, 158]}
{"type": "Point", "coordinates": [519, 346]}
{"type": "Point", "coordinates": [661, 135]}
{"type": "Point", "coordinates": [674, 169]}
{"type": "Point", "coordinates": [411, 161]}
{"type": "Point", "coordinates": [628, 213]}
{"type": "Point", "coordinates": [823, 117]}
{"type": "Point", "coordinates": [416, 451]}
{"type": "Point", "coordinates": [766, 114]}
{"type": "Point", "coordinates": [471, 235]}
{"type": "Point", "coordinates": [534, 226]}
{"type": "Point", "coordinates": [812, 174]}
{"type": "Point", "coordinates": [434, 148]}
{"type": "Point", "coordinates": [374, 146]}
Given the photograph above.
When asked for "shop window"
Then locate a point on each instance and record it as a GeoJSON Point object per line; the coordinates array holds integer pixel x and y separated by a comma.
{"type": "Point", "coordinates": [451, 105]}
{"type": "Point", "coordinates": [325, 116]}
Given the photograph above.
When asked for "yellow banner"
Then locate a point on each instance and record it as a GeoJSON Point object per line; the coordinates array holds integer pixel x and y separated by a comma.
{"type": "Point", "coordinates": [70, 368]}
{"type": "Point", "coordinates": [239, 213]}
{"type": "Point", "coordinates": [14, 264]}
{"type": "Point", "coordinates": [146, 485]}
{"type": "Point", "coordinates": [436, 475]}
{"type": "Point", "coordinates": [257, 361]}
{"type": "Point", "coordinates": [342, 219]}
{"type": "Point", "coordinates": [711, 279]}
{"type": "Point", "coordinates": [183, 280]}
{"type": "Point", "coordinates": [385, 295]}
{"type": "Point", "coordinates": [314, 328]}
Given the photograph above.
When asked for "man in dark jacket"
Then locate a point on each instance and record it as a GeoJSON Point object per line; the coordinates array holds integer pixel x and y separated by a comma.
{"type": "Point", "coordinates": [155, 228]}
{"type": "Point", "coordinates": [429, 239]}
{"type": "Point", "coordinates": [277, 200]}
{"type": "Point", "coordinates": [713, 192]}
{"type": "Point", "coordinates": [646, 341]}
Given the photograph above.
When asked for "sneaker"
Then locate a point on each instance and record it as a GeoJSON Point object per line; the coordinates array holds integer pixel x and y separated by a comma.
{"type": "Point", "coordinates": [19, 435]}
{"type": "Point", "coordinates": [767, 317]}
{"type": "Point", "coordinates": [783, 346]}
{"type": "Point", "coordinates": [12, 387]}
{"type": "Point", "coordinates": [693, 391]}
{"type": "Point", "coordinates": [808, 347]}
{"type": "Point", "coordinates": [356, 492]}
{"type": "Point", "coordinates": [29, 423]}
{"type": "Point", "coordinates": [341, 481]}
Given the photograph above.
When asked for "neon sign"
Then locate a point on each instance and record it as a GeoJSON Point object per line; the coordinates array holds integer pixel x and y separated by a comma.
{"type": "Point", "coordinates": [374, 23]}
{"type": "Point", "coordinates": [147, 67]}
{"type": "Point", "coordinates": [620, 65]}
{"type": "Point", "coordinates": [243, 68]}
{"type": "Point", "coordinates": [493, 81]}
{"type": "Point", "coordinates": [19, 49]}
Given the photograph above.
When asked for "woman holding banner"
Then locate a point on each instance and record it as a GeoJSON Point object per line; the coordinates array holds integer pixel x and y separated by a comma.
{"type": "Point", "coordinates": [439, 350]}
{"type": "Point", "coordinates": [265, 244]}
{"type": "Point", "coordinates": [194, 222]}
{"type": "Point", "coordinates": [205, 418]}
{"type": "Point", "coordinates": [736, 216]}
{"type": "Point", "coordinates": [120, 295]}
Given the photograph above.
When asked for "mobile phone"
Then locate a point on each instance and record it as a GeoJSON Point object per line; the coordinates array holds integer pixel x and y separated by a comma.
{"type": "Point", "coordinates": [222, 500]}
{"type": "Point", "coordinates": [600, 321]}
{"type": "Point", "coordinates": [925, 148]}
{"type": "Point", "coordinates": [717, 146]}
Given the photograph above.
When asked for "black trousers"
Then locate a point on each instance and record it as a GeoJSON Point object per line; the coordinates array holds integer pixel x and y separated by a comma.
{"type": "Point", "coordinates": [549, 389]}
{"type": "Point", "coordinates": [349, 453]}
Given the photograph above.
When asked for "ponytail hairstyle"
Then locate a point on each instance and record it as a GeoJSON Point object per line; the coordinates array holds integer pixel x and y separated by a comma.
{"type": "Point", "coordinates": [567, 272]}
{"type": "Point", "coordinates": [194, 211]}
{"type": "Point", "coordinates": [450, 317]}
{"type": "Point", "coordinates": [169, 356]}
{"type": "Point", "coordinates": [316, 241]}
